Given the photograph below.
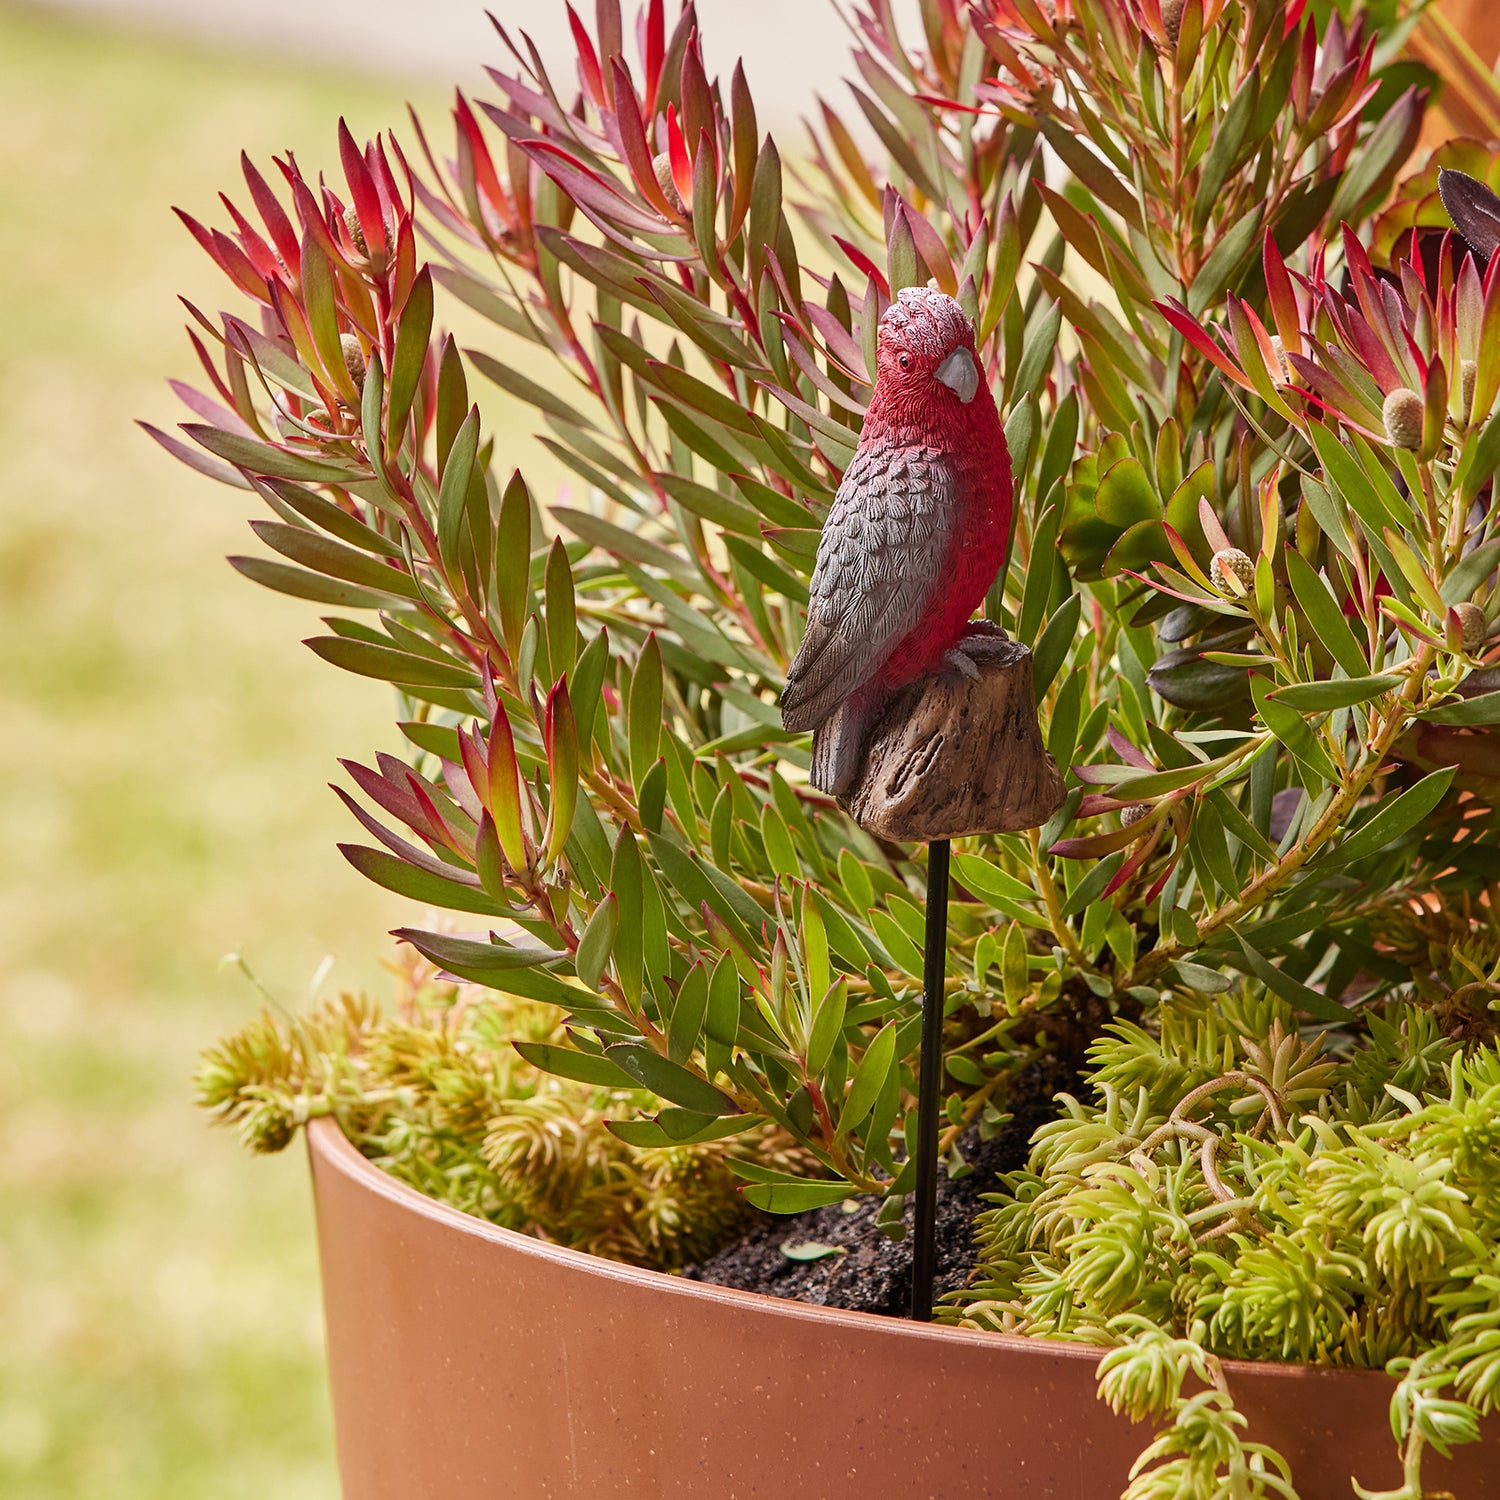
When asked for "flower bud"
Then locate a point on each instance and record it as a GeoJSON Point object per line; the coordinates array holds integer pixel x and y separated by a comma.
{"type": "Point", "coordinates": [1468, 374]}
{"type": "Point", "coordinates": [661, 164]}
{"type": "Point", "coordinates": [1403, 414]}
{"type": "Point", "coordinates": [351, 223]}
{"type": "Point", "coordinates": [354, 359]}
{"type": "Point", "coordinates": [1232, 573]}
{"type": "Point", "coordinates": [1171, 18]}
{"type": "Point", "coordinates": [1134, 813]}
{"type": "Point", "coordinates": [1472, 625]}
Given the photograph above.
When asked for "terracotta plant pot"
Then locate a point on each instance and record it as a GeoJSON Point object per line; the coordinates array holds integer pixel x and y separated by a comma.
{"type": "Point", "coordinates": [468, 1361]}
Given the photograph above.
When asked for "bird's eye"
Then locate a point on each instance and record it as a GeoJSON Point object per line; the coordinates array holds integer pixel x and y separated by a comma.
{"type": "Point", "coordinates": [906, 361]}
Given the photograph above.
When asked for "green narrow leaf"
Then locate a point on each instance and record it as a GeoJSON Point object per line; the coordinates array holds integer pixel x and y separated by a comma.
{"type": "Point", "coordinates": [827, 1026]}
{"type": "Point", "coordinates": [389, 665]}
{"type": "Point", "coordinates": [644, 716]}
{"type": "Point", "coordinates": [649, 1134]}
{"type": "Point", "coordinates": [1208, 842]}
{"type": "Point", "coordinates": [562, 613]}
{"type": "Point", "coordinates": [452, 400]}
{"type": "Point", "coordinates": [318, 299]}
{"type": "Point", "coordinates": [1196, 977]}
{"type": "Point", "coordinates": [669, 1080]}
{"type": "Point", "coordinates": [1394, 818]}
{"type": "Point", "coordinates": [814, 944]}
{"type": "Point", "coordinates": [722, 1018]}
{"type": "Point", "coordinates": [626, 881]}
{"type": "Point", "coordinates": [1461, 583]}
{"type": "Point", "coordinates": [256, 457]}
{"type": "Point", "coordinates": [1291, 729]}
{"type": "Point", "coordinates": [513, 560]}
{"type": "Point", "coordinates": [1414, 572]}
{"type": "Point", "coordinates": [989, 881]}
{"type": "Point", "coordinates": [1038, 352]}
{"type": "Point", "coordinates": [371, 405]}
{"type": "Point", "coordinates": [1324, 615]}
{"type": "Point", "coordinates": [562, 769]}
{"type": "Point", "coordinates": [869, 1078]}
{"type": "Point", "coordinates": [1217, 271]}
{"type": "Point", "coordinates": [688, 1015]}
{"type": "Point", "coordinates": [1037, 588]}
{"type": "Point", "coordinates": [333, 559]}
{"type": "Point", "coordinates": [588, 678]}
{"type": "Point", "coordinates": [1088, 889]}
{"type": "Point", "coordinates": [651, 796]}
{"type": "Point", "coordinates": [505, 789]}
{"type": "Point", "coordinates": [1224, 149]}
{"type": "Point", "coordinates": [1052, 649]}
{"type": "Point", "coordinates": [412, 334]}
{"type": "Point", "coordinates": [1291, 990]}
{"type": "Point", "coordinates": [419, 885]}
{"type": "Point", "coordinates": [1015, 972]}
{"type": "Point", "coordinates": [1484, 708]}
{"type": "Point", "coordinates": [300, 584]}
{"type": "Point", "coordinates": [856, 881]}
{"type": "Point", "coordinates": [779, 847]}
{"type": "Point", "coordinates": [795, 1197]}
{"type": "Point", "coordinates": [904, 266]}
{"type": "Point", "coordinates": [598, 941]}
{"type": "Point", "coordinates": [453, 490]}
{"type": "Point", "coordinates": [1341, 692]}
{"type": "Point", "coordinates": [906, 954]}
{"type": "Point", "coordinates": [582, 1067]}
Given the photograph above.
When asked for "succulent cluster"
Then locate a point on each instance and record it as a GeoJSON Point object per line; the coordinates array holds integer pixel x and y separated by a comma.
{"type": "Point", "coordinates": [1228, 1189]}
{"type": "Point", "coordinates": [439, 1090]}
{"type": "Point", "coordinates": [1249, 394]}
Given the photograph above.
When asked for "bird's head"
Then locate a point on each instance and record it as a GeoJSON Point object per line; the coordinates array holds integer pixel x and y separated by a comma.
{"type": "Point", "coordinates": [925, 349]}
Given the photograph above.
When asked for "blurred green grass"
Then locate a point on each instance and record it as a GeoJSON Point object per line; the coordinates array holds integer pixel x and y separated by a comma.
{"type": "Point", "coordinates": [164, 744]}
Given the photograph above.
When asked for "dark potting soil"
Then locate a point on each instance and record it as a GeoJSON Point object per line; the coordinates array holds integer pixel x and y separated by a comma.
{"type": "Point", "coordinates": [871, 1272]}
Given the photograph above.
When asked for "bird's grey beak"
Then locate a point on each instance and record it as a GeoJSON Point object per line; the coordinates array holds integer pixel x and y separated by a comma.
{"type": "Point", "coordinates": [960, 374]}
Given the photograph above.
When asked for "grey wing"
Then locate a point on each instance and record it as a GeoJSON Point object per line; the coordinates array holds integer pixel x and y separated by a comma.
{"type": "Point", "coordinates": [880, 559]}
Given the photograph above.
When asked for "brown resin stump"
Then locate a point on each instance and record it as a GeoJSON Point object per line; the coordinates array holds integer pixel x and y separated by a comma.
{"type": "Point", "coordinates": [955, 755]}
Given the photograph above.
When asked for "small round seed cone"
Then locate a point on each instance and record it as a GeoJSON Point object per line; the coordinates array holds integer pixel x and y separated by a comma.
{"type": "Point", "coordinates": [354, 359]}
{"type": "Point", "coordinates": [356, 233]}
{"type": "Point", "coordinates": [1281, 361]}
{"type": "Point", "coordinates": [1403, 412]}
{"type": "Point", "coordinates": [1475, 626]}
{"type": "Point", "coordinates": [661, 164]}
{"type": "Point", "coordinates": [1232, 573]}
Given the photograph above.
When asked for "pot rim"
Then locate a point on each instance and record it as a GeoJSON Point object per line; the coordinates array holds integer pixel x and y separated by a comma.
{"type": "Point", "coordinates": [327, 1141]}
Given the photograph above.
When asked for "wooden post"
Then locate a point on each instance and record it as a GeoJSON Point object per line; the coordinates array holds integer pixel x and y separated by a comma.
{"type": "Point", "coordinates": [956, 753]}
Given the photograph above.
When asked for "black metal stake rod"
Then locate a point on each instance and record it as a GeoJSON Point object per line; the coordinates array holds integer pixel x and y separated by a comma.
{"type": "Point", "coordinates": [930, 1081]}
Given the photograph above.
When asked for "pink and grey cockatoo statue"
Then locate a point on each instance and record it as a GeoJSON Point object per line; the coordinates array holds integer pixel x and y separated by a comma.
{"type": "Point", "coordinates": [913, 540]}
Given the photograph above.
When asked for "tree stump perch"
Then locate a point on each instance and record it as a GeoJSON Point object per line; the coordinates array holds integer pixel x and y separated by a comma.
{"type": "Point", "coordinates": [954, 755]}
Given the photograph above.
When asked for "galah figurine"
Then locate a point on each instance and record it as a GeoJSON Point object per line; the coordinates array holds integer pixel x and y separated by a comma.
{"type": "Point", "coordinates": [913, 540]}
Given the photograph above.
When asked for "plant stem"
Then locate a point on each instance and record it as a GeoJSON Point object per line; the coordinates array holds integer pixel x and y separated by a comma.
{"type": "Point", "coordinates": [1270, 881]}
{"type": "Point", "coordinates": [1041, 872]}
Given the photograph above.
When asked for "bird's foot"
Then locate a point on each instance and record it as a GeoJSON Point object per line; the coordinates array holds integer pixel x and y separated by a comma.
{"type": "Point", "coordinates": [964, 663]}
{"type": "Point", "coordinates": [986, 628]}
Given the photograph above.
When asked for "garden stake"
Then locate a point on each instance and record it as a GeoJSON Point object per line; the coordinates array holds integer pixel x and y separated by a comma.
{"type": "Point", "coordinates": [930, 1081]}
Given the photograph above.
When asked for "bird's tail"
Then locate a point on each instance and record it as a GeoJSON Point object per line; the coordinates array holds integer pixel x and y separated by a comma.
{"type": "Point", "coordinates": [839, 742]}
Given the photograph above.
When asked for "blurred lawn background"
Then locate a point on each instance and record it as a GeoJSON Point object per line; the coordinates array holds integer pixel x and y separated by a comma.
{"type": "Point", "coordinates": [165, 740]}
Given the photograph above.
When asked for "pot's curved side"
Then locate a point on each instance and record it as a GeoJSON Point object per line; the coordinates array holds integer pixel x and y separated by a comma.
{"type": "Point", "coordinates": [470, 1362]}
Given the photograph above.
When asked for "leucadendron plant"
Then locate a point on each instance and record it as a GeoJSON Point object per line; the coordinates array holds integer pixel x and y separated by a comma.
{"type": "Point", "coordinates": [1249, 400]}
